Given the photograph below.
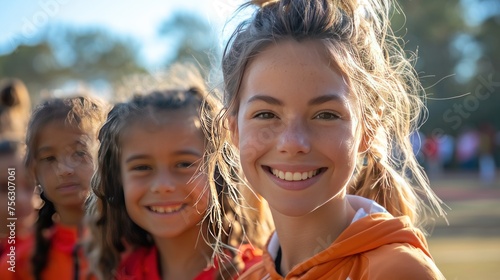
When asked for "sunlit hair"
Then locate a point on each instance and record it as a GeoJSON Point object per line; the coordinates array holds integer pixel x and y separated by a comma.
{"type": "Point", "coordinates": [108, 205]}
{"type": "Point", "coordinates": [80, 112]}
{"type": "Point", "coordinates": [361, 46]}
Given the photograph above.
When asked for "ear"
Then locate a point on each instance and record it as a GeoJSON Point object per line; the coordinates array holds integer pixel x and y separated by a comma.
{"type": "Point", "coordinates": [233, 129]}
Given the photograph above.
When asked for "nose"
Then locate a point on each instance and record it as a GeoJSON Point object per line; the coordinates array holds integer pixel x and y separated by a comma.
{"type": "Point", "coordinates": [163, 182]}
{"type": "Point", "coordinates": [65, 167]}
{"type": "Point", "coordinates": [294, 138]}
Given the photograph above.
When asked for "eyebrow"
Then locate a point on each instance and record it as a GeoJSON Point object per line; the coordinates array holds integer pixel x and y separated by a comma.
{"type": "Point", "coordinates": [44, 149]}
{"type": "Point", "coordinates": [265, 98]}
{"type": "Point", "coordinates": [326, 98]}
{"type": "Point", "coordinates": [315, 101]}
{"type": "Point", "coordinates": [49, 148]}
{"type": "Point", "coordinates": [177, 153]}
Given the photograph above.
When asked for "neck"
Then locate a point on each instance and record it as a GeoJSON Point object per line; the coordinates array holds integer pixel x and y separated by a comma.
{"type": "Point", "coordinates": [183, 257]}
{"type": "Point", "coordinates": [303, 237]}
{"type": "Point", "coordinates": [70, 216]}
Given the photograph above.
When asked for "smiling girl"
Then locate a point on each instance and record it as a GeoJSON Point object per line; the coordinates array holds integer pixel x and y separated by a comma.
{"type": "Point", "coordinates": [149, 185]}
{"type": "Point", "coordinates": [319, 105]}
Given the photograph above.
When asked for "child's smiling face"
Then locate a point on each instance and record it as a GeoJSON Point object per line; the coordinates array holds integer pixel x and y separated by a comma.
{"type": "Point", "coordinates": [296, 128]}
{"type": "Point", "coordinates": [160, 173]}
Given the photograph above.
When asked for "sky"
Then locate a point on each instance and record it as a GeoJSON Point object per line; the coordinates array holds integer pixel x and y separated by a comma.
{"type": "Point", "coordinates": [21, 20]}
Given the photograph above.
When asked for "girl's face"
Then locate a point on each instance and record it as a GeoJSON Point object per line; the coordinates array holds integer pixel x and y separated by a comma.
{"type": "Point", "coordinates": [64, 164]}
{"type": "Point", "coordinates": [296, 128]}
{"type": "Point", "coordinates": [159, 170]}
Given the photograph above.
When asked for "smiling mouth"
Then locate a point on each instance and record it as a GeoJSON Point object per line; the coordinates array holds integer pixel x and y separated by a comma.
{"type": "Point", "coordinates": [295, 176]}
{"type": "Point", "coordinates": [166, 209]}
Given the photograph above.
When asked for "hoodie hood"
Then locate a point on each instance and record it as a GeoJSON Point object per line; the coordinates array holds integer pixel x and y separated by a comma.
{"type": "Point", "coordinates": [371, 229]}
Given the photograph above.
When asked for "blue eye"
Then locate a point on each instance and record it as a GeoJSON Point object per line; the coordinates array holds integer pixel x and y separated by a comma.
{"type": "Point", "coordinates": [327, 116]}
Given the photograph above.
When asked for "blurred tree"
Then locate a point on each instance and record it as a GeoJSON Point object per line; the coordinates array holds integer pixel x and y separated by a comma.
{"type": "Point", "coordinates": [454, 59]}
{"type": "Point", "coordinates": [35, 65]}
{"type": "Point", "coordinates": [195, 40]}
{"type": "Point", "coordinates": [486, 82]}
{"type": "Point", "coordinates": [429, 29]}
{"type": "Point", "coordinates": [89, 56]}
{"type": "Point", "coordinates": [96, 55]}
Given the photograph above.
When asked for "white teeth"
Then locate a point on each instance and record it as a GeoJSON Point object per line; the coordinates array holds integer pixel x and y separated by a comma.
{"type": "Point", "coordinates": [165, 209]}
{"type": "Point", "coordinates": [294, 176]}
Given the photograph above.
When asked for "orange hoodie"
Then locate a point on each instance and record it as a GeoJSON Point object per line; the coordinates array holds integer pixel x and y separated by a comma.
{"type": "Point", "coordinates": [61, 261]}
{"type": "Point", "coordinates": [142, 264]}
{"type": "Point", "coordinates": [375, 246]}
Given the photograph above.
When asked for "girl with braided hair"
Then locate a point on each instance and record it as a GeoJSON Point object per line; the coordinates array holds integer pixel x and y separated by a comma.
{"type": "Point", "coordinates": [60, 146]}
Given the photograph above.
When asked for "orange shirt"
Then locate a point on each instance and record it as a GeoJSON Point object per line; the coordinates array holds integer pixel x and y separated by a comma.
{"type": "Point", "coordinates": [61, 264]}
{"type": "Point", "coordinates": [9, 245]}
{"type": "Point", "coordinates": [142, 264]}
{"type": "Point", "coordinates": [376, 246]}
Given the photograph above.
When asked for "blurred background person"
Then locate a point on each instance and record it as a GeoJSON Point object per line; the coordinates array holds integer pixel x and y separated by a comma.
{"type": "Point", "coordinates": [17, 187]}
{"type": "Point", "coordinates": [15, 107]}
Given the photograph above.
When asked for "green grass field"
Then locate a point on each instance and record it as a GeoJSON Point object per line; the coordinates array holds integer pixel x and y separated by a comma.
{"type": "Point", "coordinates": [468, 247]}
{"type": "Point", "coordinates": [463, 258]}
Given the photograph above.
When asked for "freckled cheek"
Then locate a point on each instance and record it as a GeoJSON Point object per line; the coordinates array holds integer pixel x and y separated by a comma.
{"type": "Point", "coordinates": [256, 140]}
{"type": "Point", "coordinates": [344, 142]}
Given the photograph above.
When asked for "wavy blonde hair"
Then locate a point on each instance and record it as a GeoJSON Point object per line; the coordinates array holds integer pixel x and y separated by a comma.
{"type": "Point", "coordinates": [361, 45]}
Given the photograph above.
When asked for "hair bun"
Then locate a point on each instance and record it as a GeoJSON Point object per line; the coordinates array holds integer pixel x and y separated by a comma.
{"type": "Point", "coordinates": [9, 96]}
{"type": "Point", "coordinates": [13, 93]}
{"type": "Point", "coordinates": [195, 90]}
{"type": "Point", "coordinates": [262, 3]}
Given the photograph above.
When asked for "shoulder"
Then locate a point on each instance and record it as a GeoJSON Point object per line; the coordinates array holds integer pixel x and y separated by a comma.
{"type": "Point", "coordinates": [401, 261]}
